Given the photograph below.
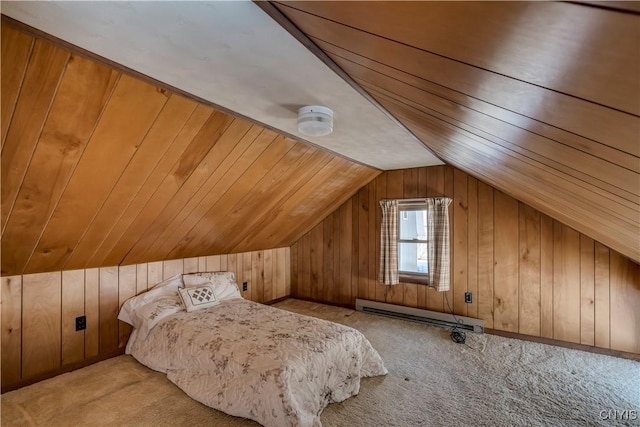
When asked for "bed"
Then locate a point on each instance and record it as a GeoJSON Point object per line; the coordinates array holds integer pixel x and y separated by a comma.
{"type": "Point", "coordinates": [243, 358]}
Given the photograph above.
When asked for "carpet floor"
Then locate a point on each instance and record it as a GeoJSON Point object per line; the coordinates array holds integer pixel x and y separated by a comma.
{"type": "Point", "coordinates": [491, 381]}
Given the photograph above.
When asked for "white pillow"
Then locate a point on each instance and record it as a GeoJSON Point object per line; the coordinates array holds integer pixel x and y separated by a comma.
{"type": "Point", "coordinates": [167, 287]}
{"type": "Point", "coordinates": [150, 314]}
{"type": "Point", "coordinates": [223, 282]}
{"type": "Point", "coordinates": [198, 297]}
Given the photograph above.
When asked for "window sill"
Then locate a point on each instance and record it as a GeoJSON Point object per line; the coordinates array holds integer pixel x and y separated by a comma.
{"type": "Point", "coordinates": [410, 278]}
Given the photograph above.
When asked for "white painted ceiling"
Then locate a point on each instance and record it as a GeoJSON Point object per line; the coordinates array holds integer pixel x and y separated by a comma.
{"type": "Point", "coordinates": [234, 55]}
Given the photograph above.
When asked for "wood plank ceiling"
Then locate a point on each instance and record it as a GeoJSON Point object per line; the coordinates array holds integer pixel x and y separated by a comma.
{"type": "Point", "coordinates": [538, 99]}
{"type": "Point", "coordinates": [100, 168]}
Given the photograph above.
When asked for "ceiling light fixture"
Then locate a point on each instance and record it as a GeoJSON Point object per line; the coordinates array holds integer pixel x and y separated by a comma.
{"type": "Point", "coordinates": [315, 120]}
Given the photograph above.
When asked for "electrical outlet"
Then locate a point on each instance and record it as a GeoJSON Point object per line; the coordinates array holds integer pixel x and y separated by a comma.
{"type": "Point", "coordinates": [245, 286]}
{"type": "Point", "coordinates": [81, 323]}
{"type": "Point", "coordinates": [468, 297]}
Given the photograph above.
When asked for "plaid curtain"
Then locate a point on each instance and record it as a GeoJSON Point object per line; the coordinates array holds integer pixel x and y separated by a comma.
{"type": "Point", "coordinates": [438, 246]}
{"type": "Point", "coordinates": [389, 243]}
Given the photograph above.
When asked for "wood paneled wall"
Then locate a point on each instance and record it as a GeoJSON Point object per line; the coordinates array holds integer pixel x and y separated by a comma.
{"type": "Point", "coordinates": [528, 273]}
{"type": "Point", "coordinates": [538, 99]}
{"type": "Point", "coordinates": [39, 310]}
{"type": "Point", "coordinates": [100, 168]}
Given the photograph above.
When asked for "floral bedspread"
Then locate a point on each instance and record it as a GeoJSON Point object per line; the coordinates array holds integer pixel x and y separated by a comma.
{"type": "Point", "coordinates": [259, 362]}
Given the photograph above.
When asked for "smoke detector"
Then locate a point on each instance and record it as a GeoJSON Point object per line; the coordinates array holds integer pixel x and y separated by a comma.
{"type": "Point", "coordinates": [315, 120]}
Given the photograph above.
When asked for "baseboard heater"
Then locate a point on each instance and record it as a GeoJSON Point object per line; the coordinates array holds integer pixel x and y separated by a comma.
{"type": "Point", "coordinates": [419, 315]}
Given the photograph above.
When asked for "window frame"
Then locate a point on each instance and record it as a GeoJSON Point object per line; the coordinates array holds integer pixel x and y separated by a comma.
{"type": "Point", "coordinates": [410, 276]}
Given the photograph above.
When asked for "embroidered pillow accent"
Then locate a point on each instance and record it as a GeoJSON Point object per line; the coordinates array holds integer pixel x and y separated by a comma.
{"type": "Point", "coordinates": [198, 297]}
{"type": "Point", "coordinates": [224, 283]}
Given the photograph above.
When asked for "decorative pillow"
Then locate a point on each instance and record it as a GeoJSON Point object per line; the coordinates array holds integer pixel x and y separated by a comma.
{"type": "Point", "coordinates": [168, 287]}
{"type": "Point", "coordinates": [197, 298]}
{"type": "Point", "coordinates": [224, 283]}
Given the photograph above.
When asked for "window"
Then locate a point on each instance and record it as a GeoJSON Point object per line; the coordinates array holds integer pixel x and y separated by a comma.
{"type": "Point", "coordinates": [412, 239]}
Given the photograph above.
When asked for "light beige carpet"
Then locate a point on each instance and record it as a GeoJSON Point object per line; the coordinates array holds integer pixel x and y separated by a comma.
{"type": "Point", "coordinates": [431, 382]}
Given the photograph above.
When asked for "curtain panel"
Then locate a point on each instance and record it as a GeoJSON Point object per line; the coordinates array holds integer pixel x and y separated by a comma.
{"type": "Point", "coordinates": [389, 243]}
{"type": "Point", "coordinates": [438, 252]}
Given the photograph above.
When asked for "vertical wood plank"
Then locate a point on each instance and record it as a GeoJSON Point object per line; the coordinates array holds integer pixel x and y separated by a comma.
{"type": "Point", "coordinates": [127, 276]}
{"type": "Point", "coordinates": [505, 315]}
{"type": "Point", "coordinates": [373, 231]}
{"type": "Point", "coordinates": [295, 271]}
{"type": "Point", "coordinates": [108, 309]}
{"type": "Point", "coordinates": [287, 271]}
{"type": "Point", "coordinates": [224, 262]}
{"type": "Point", "coordinates": [566, 283]}
{"type": "Point", "coordinates": [449, 191]}
{"type": "Point", "coordinates": [11, 294]}
{"type": "Point", "coordinates": [281, 272]}
{"type": "Point", "coordinates": [92, 311]}
{"type": "Point", "coordinates": [625, 300]}
{"type": "Point", "coordinates": [142, 279]}
{"type": "Point", "coordinates": [546, 276]}
{"type": "Point", "coordinates": [202, 264]}
{"type": "Point", "coordinates": [213, 263]}
{"type": "Point", "coordinates": [257, 276]}
{"type": "Point", "coordinates": [485, 254]}
{"type": "Point", "coordinates": [327, 260]}
{"type": "Point", "coordinates": [602, 298]}
{"type": "Point", "coordinates": [154, 273]}
{"type": "Point", "coordinates": [354, 250]}
{"type": "Point", "coordinates": [337, 243]}
{"type": "Point", "coordinates": [72, 307]}
{"type": "Point", "coordinates": [232, 265]}
{"type": "Point", "coordinates": [344, 285]}
{"type": "Point", "coordinates": [305, 260]}
{"type": "Point", "coordinates": [316, 263]}
{"type": "Point", "coordinates": [460, 240]}
{"type": "Point", "coordinates": [268, 293]}
{"type": "Point", "coordinates": [587, 290]}
{"type": "Point", "coordinates": [246, 275]}
{"type": "Point", "coordinates": [529, 310]}
{"type": "Point", "coordinates": [472, 248]}
{"type": "Point", "coordinates": [190, 265]}
{"type": "Point", "coordinates": [41, 328]}
{"type": "Point", "coordinates": [172, 267]}
{"type": "Point", "coordinates": [363, 243]}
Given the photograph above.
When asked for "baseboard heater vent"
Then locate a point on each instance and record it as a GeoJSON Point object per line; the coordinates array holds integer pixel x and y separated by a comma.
{"type": "Point", "coordinates": [419, 315]}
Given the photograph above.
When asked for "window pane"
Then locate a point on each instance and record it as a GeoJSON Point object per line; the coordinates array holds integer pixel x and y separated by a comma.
{"type": "Point", "coordinates": [413, 225]}
{"type": "Point", "coordinates": [412, 257]}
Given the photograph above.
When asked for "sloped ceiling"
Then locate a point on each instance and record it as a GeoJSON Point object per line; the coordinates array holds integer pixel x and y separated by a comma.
{"type": "Point", "coordinates": [232, 54]}
{"type": "Point", "coordinates": [539, 99]}
{"type": "Point", "coordinates": [100, 168]}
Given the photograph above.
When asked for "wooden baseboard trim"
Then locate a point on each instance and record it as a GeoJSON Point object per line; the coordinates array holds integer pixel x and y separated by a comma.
{"type": "Point", "coordinates": [62, 370]}
{"type": "Point", "coordinates": [565, 344]}
{"type": "Point", "coordinates": [277, 300]}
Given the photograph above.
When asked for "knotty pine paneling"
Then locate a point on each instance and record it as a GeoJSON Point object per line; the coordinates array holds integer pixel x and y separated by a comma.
{"type": "Point", "coordinates": [39, 310]}
{"type": "Point", "coordinates": [528, 273]}
{"type": "Point", "coordinates": [559, 133]}
{"type": "Point", "coordinates": [101, 168]}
